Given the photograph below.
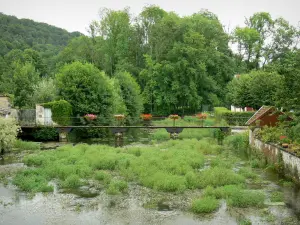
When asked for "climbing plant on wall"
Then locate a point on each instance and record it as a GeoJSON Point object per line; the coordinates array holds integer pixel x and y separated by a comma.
{"type": "Point", "coordinates": [61, 111]}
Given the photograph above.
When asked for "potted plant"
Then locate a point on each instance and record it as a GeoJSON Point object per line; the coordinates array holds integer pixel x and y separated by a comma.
{"type": "Point", "coordinates": [201, 117]}
{"type": "Point", "coordinates": [146, 118]}
{"type": "Point", "coordinates": [89, 118]}
{"type": "Point", "coordinates": [285, 141]}
{"type": "Point", "coordinates": [174, 117]}
{"type": "Point", "coordinates": [119, 118]}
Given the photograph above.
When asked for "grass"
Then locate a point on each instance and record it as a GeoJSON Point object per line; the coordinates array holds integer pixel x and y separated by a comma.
{"type": "Point", "coordinates": [277, 196]}
{"type": "Point", "coordinates": [246, 198]}
{"type": "Point", "coordinates": [205, 205]}
{"type": "Point", "coordinates": [26, 145]}
{"type": "Point", "coordinates": [171, 166]}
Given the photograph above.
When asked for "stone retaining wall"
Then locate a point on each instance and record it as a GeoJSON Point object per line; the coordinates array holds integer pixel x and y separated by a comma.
{"type": "Point", "coordinates": [276, 154]}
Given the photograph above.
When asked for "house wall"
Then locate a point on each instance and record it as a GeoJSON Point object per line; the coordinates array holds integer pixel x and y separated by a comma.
{"type": "Point", "coordinates": [274, 154]}
{"type": "Point", "coordinates": [269, 120]}
{"type": "Point", "coordinates": [4, 102]}
{"type": "Point", "coordinates": [40, 111]}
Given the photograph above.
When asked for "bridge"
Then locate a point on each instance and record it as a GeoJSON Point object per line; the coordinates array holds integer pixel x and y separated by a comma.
{"type": "Point", "coordinates": [118, 131]}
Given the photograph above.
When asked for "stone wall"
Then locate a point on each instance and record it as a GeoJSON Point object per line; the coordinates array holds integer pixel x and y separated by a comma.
{"type": "Point", "coordinates": [276, 155]}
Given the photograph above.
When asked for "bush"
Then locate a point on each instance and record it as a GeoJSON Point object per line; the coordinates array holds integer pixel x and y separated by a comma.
{"type": "Point", "coordinates": [26, 145]}
{"type": "Point", "coordinates": [46, 134]}
{"type": "Point", "coordinates": [205, 205]}
{"type": "Point", "coordinates": [237, 118]}
{"type": "Point", "coordinates": [61, 111]}
{"type": "Point", "coordinates": [9, 131]}
{"type": "Point", "coordinates": [219, 111]}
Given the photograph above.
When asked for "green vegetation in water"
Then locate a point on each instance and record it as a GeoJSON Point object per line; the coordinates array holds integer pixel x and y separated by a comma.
{"type": "Point", "coordinates": [26, 145]}
{"type": "Point", "coordinates": [277, 196]}
{"type": "Point", "coordinates": [205, 205]}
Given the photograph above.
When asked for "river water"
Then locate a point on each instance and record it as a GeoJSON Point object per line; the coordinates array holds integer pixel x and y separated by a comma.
{"type": "Point", "coordinates": [97, 208]}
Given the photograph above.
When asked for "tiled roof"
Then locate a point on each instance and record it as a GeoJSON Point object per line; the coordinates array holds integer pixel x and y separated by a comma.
{"type": "Point", "coordinates": [261, 112]}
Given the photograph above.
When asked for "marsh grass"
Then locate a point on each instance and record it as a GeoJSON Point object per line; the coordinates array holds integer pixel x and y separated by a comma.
{"type": "Point", "coordinates": [277, 196]}
{"type": "Point", "coordinates": [205, 205]}
{"type": "Point", "coordinates": [247, 198]}
{"type": "Point", "coordinates": [26, 145]}
{"type": "Point", "coordinates": [170, 166]}
{"type": "Point", "coordinates": [187, 133]}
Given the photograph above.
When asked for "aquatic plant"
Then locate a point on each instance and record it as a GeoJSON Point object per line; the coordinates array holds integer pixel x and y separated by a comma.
{"type": "Point", "coordinates": [205, 205]}
{"type": "Point", "coordinates": [26, 145]}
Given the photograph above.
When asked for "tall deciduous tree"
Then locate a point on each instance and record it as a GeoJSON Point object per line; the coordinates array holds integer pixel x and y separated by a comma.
{"type": "Point", "coordinates": [87, 89]}
{"type": "Point", "coordinates": [131, 95]}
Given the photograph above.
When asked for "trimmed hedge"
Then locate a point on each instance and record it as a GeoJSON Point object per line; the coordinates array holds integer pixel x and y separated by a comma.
{"type": "Point", "coordinates": [219, 111]}
{"type": "Point", "coordinates": [232, 118]}
{"type": "Point", "coordinates": [237, 118]}
{"type": "Point", "coordinates": [61, 111]}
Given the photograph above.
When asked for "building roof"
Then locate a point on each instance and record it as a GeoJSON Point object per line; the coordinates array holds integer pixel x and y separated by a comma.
{"type": "Point", "coordinates": [260, 113]}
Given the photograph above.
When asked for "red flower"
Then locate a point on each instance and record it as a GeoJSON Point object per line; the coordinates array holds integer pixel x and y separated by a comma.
{"type": "Point", "coordinates": [146, 116]}
{"type": "Point", "coordinates": [201, 116]}
{"type": "Point", "coordinates": [90, 117]}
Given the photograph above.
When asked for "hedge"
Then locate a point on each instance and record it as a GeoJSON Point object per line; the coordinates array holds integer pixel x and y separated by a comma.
{"type": "Point", "coordinates": [232, 118]}
{"type": "Point", "coordinates": [219, 111]}
{"type": "Point", "coordinates": [61, 111]}
{"type": "Point", "coordinates": [237, 118]}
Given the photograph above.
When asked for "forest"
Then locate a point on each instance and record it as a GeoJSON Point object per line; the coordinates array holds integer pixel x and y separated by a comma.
{"type": "Point", "coordinates": [156, 62]}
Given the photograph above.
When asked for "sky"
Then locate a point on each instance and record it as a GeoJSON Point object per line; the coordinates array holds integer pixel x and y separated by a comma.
{"type": "Point", "coordinates": [76, 15]}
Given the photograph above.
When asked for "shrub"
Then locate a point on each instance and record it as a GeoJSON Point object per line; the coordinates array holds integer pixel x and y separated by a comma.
{"type": "Point", "coordinates": [205, 205]}
{"type": "Point", "coordinates": [219, 111]}
{"type": "Point", "coordinates": [46, 134]}
{"type": "Point", "coordinates": [61, 111]}
{"type": "Point", "coordinates": [26, 145]}
{"type": "Point", "coordinates": [9, 131]}
{"type": "Point", "coordinates": [237, 141]}
{"type": "Point", "coordinates": [237, 118]}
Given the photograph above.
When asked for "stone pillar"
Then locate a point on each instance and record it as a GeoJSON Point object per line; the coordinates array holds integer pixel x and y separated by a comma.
{"type": "Point", "coordinates": [63, 134]}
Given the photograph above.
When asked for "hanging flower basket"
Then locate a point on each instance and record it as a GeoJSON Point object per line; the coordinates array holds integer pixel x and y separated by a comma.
{"type": "Point", "coordinates": [90, 117]}
{"type": "Point", "coordinates": [119, 117]}
{"type": "Point", "coordinates": [146, 117]}
{"type": "Point", "coordinates": [201, 116]}
{"type": "Point", "coordinates": [174, 117]}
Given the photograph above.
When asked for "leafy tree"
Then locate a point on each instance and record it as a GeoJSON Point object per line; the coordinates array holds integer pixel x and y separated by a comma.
{"type": "Point", "coordinates": [8, 134]}
{"type": "Point", "coordinates": [255, 89]}
{"type": "Point", "coordinates": [87, 89]}
{"type": "Point", "coordinates": [25, 77]}
{"type": "Point", "coordinates": [44, 91]}
{"type": "Point", "coordinates": [131, 95]}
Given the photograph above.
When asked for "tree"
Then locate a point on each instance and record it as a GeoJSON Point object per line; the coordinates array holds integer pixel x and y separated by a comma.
{"type": "Point", "coordinates": [87, 89]}
{"type": "Point", "coordinates": [44, 91]}
{"type": "Point", "coordinates": [131, 95]}
{"type": "Point", "coordinates": [8, 134]}
{"type": "Point", "coordinates": [25, 77]}
{"type": "Point", "coordinates": [264, 39]}
{"type": "Point", "coordinates": [255, 89]}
